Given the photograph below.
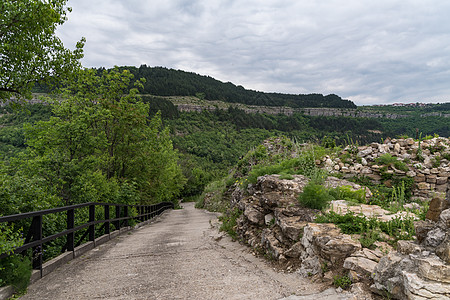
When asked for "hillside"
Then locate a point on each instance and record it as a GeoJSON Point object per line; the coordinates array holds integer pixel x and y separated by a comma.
{"type": "Point", "coordinates": [169, 82]}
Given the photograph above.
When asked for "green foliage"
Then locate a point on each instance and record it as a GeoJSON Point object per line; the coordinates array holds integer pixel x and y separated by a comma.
{"type": "Point", "coordinates": [386, 159]}
{"type": "Point", "coordinates": [212, 197]}
{"type": "Point", "coordinates": [315, 196]}
{"type": "Point", "coordinates": [397, 228]}
{"type": "Point", "coordinates": [98, 139]}
{"type": "Point", "coordinates": [30, 51]}
{"type": "Point", "coordinates": [168, 82]}
{"type": "Point", "coordinates": [10, 239]}
{"type": "Point", "coordinates": [229, 223]}
{"type": "Point", "coordinates": [328, 142]}
{"type": "Point", "coordinates": [398, 198]}
{"type": "Point", "coordinates": [346, 193]}
{"type": "Point", "coordinates": [15, 270]}
{"type": "Point", "coordinates": [304, 164]}
{"type": "Point", "coordinates": [343, 282]}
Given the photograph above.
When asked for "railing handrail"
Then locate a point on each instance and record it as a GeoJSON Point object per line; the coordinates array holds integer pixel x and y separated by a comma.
{"type": "Point", "coordinates": [16, 217]}
{"type": "Point", "coordinates": [35, 239]}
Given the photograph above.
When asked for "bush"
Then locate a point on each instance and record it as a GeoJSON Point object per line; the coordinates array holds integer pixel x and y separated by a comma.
{"type": "Point", "coordinates": [386, 159]}
{"type": "Point", "coordinates": [346, 193]}
{"type": "Point", "coordinates": [343, 282]}
{"type": "Point", "coordinates": [229, 223]}
{"type": "Point", "coordinates": [15, 270]}
{"type": "Point", "coordinates": [315, 196]}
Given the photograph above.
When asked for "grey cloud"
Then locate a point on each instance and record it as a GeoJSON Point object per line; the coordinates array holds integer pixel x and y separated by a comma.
{"type": "Point", "coordinates": [366, 51]}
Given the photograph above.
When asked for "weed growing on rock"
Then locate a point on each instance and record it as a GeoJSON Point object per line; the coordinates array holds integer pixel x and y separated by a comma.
{"type": "Point", "coordinates": [343, 282]}
{"type": "Point", "coordinates": [315, 196]}
{"type": "Point", "coordinates": [229, 221]}
{"type": "Point", "coordinates": [397, 228]}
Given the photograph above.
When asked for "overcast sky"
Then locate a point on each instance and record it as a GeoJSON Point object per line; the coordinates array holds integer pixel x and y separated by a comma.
{"type": "Point", "coordinates": [370, 52]}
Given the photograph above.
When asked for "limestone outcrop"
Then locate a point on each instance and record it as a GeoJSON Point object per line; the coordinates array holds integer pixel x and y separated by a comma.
{"type": "Point", "coordinates": [273, 222]}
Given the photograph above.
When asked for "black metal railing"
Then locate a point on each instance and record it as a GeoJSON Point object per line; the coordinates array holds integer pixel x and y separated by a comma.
{"type": "Point", "coordinates": [35, 240]}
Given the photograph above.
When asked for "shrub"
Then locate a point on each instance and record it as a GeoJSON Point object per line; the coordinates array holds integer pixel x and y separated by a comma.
{"type": "Point", "coordinates": [15, 270]}
{"type": "Point", "coordinates": [315, 196]}
{"type": "Point", "coordinates": [228, 220]}
{"type": "Point", "coordinates": [386, 159]}
{"type": "Point", "coordinates": [343, 282]}
{"type": "Point", "coordinates": [346, 193]}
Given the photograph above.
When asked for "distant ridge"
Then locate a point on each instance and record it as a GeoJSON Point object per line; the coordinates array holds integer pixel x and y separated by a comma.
{"type": "Point", "coordinates": [161, 81]}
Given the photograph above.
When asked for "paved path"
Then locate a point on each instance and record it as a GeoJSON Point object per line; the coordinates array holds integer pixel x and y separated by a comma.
{"type": "Point", "coordinates": [180, 256]}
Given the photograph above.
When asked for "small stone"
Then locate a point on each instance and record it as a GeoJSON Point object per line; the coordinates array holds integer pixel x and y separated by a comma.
{"type": "Point", "coordinates": [419, 178]}
{"type": "Point", "coordinates": [431, 179]}
{"type": "Point", "coordinates": [268, 219]}
{"type": "Point", "coordinates": [410, 173]}
{"type": "Point", "coordinates": [441, 180]}
{"type": "Point", "coordinates": [353, 276]}
{"type": "Point", "coordinates": [365, 152]}
{"type": "Point", "coordinates": [423, 186]}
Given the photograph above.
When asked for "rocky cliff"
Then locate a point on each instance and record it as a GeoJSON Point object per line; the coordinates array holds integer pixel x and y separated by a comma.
{"type": "Point", "coordinates": [274, 223]}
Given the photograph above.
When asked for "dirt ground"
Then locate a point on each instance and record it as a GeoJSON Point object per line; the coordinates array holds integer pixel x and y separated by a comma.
{"type": "Point", "coordinates": [179, 256]}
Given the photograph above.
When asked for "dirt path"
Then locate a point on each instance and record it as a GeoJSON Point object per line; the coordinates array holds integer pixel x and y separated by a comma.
{"type": "Point", "coordinates": [178, 257]}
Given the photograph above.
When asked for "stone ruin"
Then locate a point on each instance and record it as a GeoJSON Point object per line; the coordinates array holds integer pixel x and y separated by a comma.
{"type": "Point", "coordinates": [274, 223]}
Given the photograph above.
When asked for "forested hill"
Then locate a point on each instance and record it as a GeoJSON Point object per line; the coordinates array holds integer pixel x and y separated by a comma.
{"type": "Point", "coordinates": [162, 81]}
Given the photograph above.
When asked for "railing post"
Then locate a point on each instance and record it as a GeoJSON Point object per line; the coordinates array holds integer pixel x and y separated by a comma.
{"type": "Point", "coordinates": [70, 225]}
{"type": "Point", "coordinates": [147, 211]}
{"type": "Point", "coordinates": [125, 212]}
{"type": "Point", "coordinates": [91, 219]}
{"type": "Point", "coordinates": [36, 231]}
{"type": "Point", "coordinates": [106, 219]}
{"type": "Point", "coordinates": [117, 223]}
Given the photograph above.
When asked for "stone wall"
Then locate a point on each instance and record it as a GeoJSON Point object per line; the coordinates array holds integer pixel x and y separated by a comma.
{"type": "Point", "coordinates": [427, 164]}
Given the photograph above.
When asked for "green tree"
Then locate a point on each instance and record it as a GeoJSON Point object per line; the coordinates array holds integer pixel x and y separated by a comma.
{"type": "Point", "coordinates": [99, 141]}
{"type": "Point", "coordinates": [29, 49]}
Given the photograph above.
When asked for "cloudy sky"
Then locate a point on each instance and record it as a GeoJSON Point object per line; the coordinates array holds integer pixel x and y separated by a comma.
{"type": "Point", "coordinates": [371, 52]}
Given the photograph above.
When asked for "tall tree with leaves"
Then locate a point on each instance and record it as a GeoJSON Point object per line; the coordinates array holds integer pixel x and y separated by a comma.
{"type": "Point", "coordinates": [100, 139]}
{"type": "Point", "coordinates": [30, 51]}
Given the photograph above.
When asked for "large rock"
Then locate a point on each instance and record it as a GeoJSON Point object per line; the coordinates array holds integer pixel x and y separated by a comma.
{"type": "Point", "coordinates": [292, 187]}
{"type": "Point", "coordinates": [435, 237]}
{"type": "Point", "coordinates": [336, 249]}
{"type": "Point", "coordinates": [433, 268]}
{"type": "Point", "coordinates": [437, 205]}
{"type": "Point", "coordinates": [361, 265]}
{"type": "Point", "coordinates": [252, 210]}
{"type": "Point", "coordinates": [422, 228]}
{"type": "Point", "coordinates": [295, 251]}
{"type": "Point", "coordinates": [443, 250]}
{"type": "Point", "coordinates": [418, 288]}
{"type": "Point", "coordinates": [387, 275]}
{"type": "Point", "coordinates": [445, 218]}
{"type": "Point", "coordinates": [269, 242]}
{"type": "Point", "coordinates": [291, 227]}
